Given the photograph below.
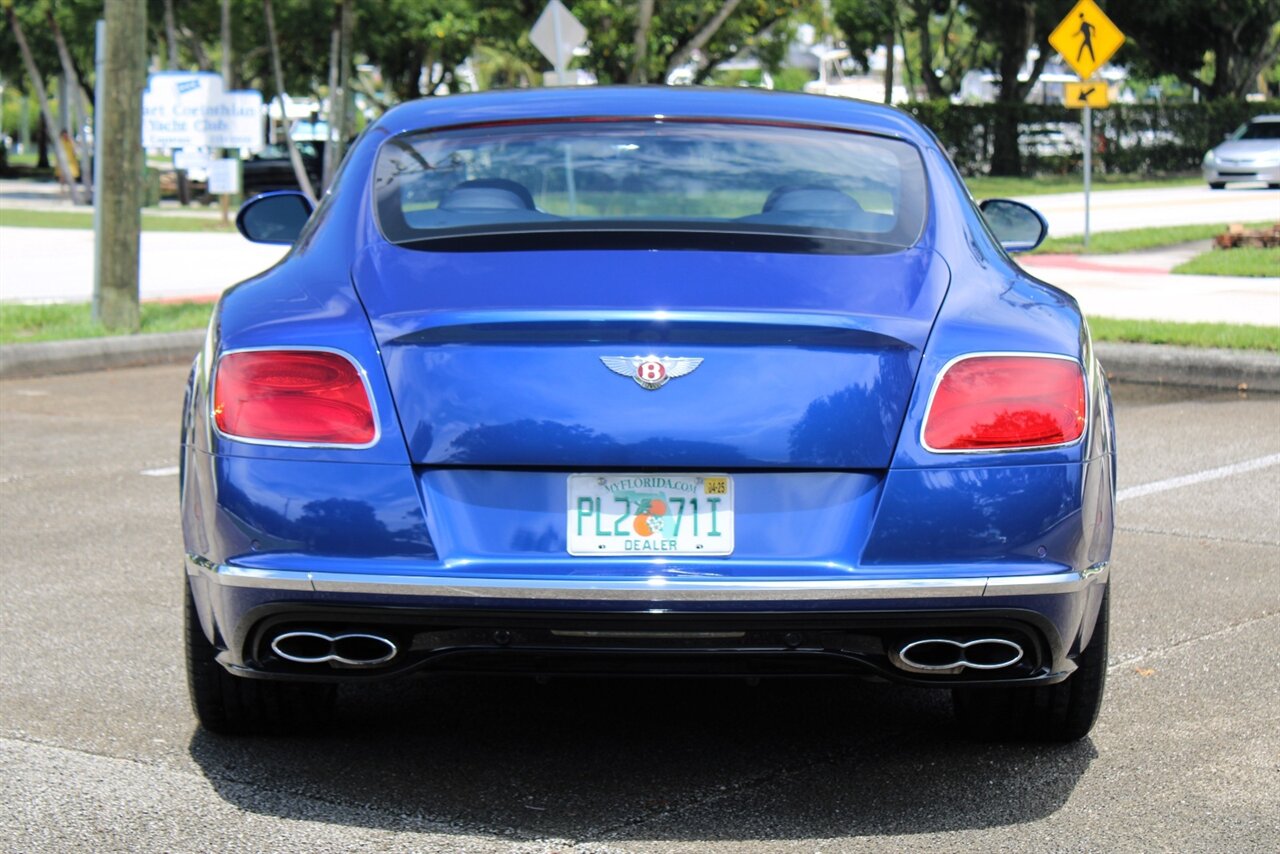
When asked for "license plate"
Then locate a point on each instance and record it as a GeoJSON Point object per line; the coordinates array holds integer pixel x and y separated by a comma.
{"type": "Point", "coordinates": [650, 515]}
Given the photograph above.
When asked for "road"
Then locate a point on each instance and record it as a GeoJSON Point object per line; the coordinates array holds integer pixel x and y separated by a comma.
{"type": "Point", "coordinates": [1114, 210]}
{"type": "Point", "coordinates": [98, 749]}
{"type": "Point", "coordinates": [56, 264]}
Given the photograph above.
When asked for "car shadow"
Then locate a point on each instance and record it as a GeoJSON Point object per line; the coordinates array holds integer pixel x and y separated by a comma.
{"type": "Point", "coordinates": [640, 759]}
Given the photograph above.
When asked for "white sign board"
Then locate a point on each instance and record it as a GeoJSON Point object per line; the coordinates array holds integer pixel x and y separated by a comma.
{"type": "Point", "coordinates": [183, 109]}
{"type": "Point", "coordinates": [191, 159]}
{"type": "Point", "coordinates": [556, 33]}
{"type": "Point", "coordinates": [224, 176]}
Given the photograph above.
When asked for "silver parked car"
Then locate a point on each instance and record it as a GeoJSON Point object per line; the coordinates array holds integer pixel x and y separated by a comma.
{"type": "Point", "coordinates": [1251, 153]}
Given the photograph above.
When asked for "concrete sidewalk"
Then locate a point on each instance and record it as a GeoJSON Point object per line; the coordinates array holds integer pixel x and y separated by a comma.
{"type": "Point", "coordinates": [1138, 286]}
{"type": "Point", "coordinates": [56, 264]}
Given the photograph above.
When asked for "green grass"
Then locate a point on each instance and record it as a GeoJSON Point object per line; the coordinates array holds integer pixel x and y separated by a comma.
{"type": "Point", "coordinates": [22, 218]}
{"type": "Point", "coordinates": [61, 321]}
{"type": "Point", "coordinates": [1133, 239]}
{"type": "Point", "coordinates": [1232, 336]}
{"type": "Point", "coordinates": [993, 187]}
{"type": "Point", "coordinates": [28, 159]}
{"type": "Point", "coordinates": [1242, 261]}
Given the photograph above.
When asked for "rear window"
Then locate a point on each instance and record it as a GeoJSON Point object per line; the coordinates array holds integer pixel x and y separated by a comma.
{"type": "Point", "coordinates": [651, 177]}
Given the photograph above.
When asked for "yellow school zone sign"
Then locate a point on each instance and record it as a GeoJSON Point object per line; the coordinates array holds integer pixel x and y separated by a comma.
{"type": "Point", "coordinates": [1086, 38]}
{"type": "Point", "coordinates": [1090, 93]}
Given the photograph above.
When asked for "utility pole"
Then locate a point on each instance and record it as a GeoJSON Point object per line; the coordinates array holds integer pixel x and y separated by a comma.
{"type": "Point", "coordinates": [124, 71]}
{"type": "Point", "coordinates": [224, 201]}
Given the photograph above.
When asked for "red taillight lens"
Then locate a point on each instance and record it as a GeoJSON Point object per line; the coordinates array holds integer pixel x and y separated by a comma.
{"type": "Point", "coordinates": [992, 402]}
{"type": "Point", "coordinates": [305, 396]}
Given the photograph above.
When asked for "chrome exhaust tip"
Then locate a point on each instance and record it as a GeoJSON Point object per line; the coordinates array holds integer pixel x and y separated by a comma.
{"type": "Point", "coordinates": [944, 656]}
{"type": "Point", "coordinates": [352, 649]}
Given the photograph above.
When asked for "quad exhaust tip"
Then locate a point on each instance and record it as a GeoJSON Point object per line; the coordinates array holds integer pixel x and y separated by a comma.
{"type": "Point", "coordinates": [942, 656]}
{"type": "Point", "coordinates": [351, 649]}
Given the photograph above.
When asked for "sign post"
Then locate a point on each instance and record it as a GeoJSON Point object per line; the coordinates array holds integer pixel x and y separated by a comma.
{"type": "Point", "coordinates": [1086, 38]}
{"type": "Point", "coordinates": [557, 33]}
{"type": "Point", "coordinates": [1088, 168]}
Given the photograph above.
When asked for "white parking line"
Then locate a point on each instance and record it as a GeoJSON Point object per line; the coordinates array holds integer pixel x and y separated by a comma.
{"type": "Point", "coordinates": [1198, 477]}
{"type": "Point", "coordinates": [167, 471]}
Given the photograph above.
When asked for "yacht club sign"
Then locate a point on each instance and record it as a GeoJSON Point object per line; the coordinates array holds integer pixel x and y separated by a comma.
{"type": "Point", "coordinates": [185, 110]}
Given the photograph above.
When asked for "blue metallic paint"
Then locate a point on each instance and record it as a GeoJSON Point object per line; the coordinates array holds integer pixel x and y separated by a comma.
{"type": "Point", "coordinates": [832, 344]}
{"type": "Point", "coordinates": [882, 506]}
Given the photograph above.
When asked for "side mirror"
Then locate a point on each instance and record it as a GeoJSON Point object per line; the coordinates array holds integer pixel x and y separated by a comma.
{"type": "Point", "coordinates": [1018, 227]}
{"type": "Point", "coordinates": [275, 217]}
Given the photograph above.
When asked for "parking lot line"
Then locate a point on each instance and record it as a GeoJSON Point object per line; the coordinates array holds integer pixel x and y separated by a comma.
{"type": "Point", "coordinates": [1198, 477]}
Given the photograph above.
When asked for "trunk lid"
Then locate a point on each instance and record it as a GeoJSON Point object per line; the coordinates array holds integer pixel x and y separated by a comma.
{"type": "Point", "coordinates": [495, 358]}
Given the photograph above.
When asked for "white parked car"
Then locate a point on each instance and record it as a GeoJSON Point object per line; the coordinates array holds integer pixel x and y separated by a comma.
{"type": "Point", "coordinates": [1251, 153]}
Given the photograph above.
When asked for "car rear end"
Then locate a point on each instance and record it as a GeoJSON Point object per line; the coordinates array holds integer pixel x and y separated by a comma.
{"type": "Point", "coordinates": [675, 395]}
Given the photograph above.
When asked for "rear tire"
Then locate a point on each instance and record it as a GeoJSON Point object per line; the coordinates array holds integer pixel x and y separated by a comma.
{"type": "Point", "coordinates": [1217, 185]}
{"type": "Point", "coordinates": [233, 705]}
{"type": "Point", "coordinates": [1062, 712]}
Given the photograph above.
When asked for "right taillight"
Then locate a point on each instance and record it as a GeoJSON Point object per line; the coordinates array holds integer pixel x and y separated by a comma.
{"type": "Point", "coordinates": [1005, 402]}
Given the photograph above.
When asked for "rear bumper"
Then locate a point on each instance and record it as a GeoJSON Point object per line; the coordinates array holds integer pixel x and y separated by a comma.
{"type": "Point", "coordinates": [1231, 173]}
{"type": "Point", "coordinates": [651, 592]}
{"type": "Point", "coordinates": [556, 625]}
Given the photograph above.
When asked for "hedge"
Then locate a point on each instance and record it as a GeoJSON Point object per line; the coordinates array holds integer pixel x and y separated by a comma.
{"type": "Point", "coordinates": [1128, 138]}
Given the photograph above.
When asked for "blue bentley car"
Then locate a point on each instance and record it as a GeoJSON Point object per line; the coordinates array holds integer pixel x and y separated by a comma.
{"type": "Point", "coordinates": [647, 380]}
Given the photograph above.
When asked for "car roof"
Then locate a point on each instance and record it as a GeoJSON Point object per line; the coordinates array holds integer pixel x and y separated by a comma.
{"type": "Point", "coordinates": [1269, 117]}
{"type": "Point", "coordinates": [649, 102]}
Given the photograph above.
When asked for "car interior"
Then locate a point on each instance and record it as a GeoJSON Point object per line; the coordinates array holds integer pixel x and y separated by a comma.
{"type": "Point", "coordinates": [501, 200]}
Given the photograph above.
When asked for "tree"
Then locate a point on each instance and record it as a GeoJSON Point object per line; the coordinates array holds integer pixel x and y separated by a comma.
{"type": "Point", "coordinates": [1241, 38]}
{"type": "Point", "coordinates": [949, 47]}
{"type": "Point", "coordinates": [678, 30]}
{"type": "Point", "coordinates": [867, 24]}
{"type": "Point", "coordinates": [273, 41]}
{"type": "Point", "coordinates": [115, 300]}
{"type": "Point", "coordinates": [430, 38]}
{"type": "Point", "coordinates": [640, 46]}
{"type": "Point", "coordinates": [304, 27]}
{"type": "Point", "coordinates": [36, 80]}
{"type": "Point", "coordinates": [1013, 27]}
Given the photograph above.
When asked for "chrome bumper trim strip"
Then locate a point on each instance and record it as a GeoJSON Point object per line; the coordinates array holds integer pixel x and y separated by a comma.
{"type": "Point", "coordinates": [656, 590]}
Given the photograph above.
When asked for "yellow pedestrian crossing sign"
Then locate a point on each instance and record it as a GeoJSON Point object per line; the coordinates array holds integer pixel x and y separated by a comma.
{"type": "Point", "coordinates": [1086, 38]}
{"type": "Point", "coordinates": [1090, 93]}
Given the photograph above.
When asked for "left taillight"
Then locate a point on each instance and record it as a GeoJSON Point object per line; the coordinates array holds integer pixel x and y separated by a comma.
{"type": "Point", "coordinates": [311, 397]}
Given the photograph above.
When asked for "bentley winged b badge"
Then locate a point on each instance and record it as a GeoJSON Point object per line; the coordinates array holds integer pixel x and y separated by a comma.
{"type": "Point", "coordinates": [651, 372]}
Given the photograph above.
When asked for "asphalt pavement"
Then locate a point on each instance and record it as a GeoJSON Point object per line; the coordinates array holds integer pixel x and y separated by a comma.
{"type": "Point", "coordinates": [99, 752]}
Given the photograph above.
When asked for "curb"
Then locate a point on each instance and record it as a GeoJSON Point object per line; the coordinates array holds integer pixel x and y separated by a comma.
{"type": "Point", "coordinates": [47, 358]}
{"type": "Point", "coordinates": [1134, 363]}
{"type": "Point", "coordinates": [1190, 366]}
